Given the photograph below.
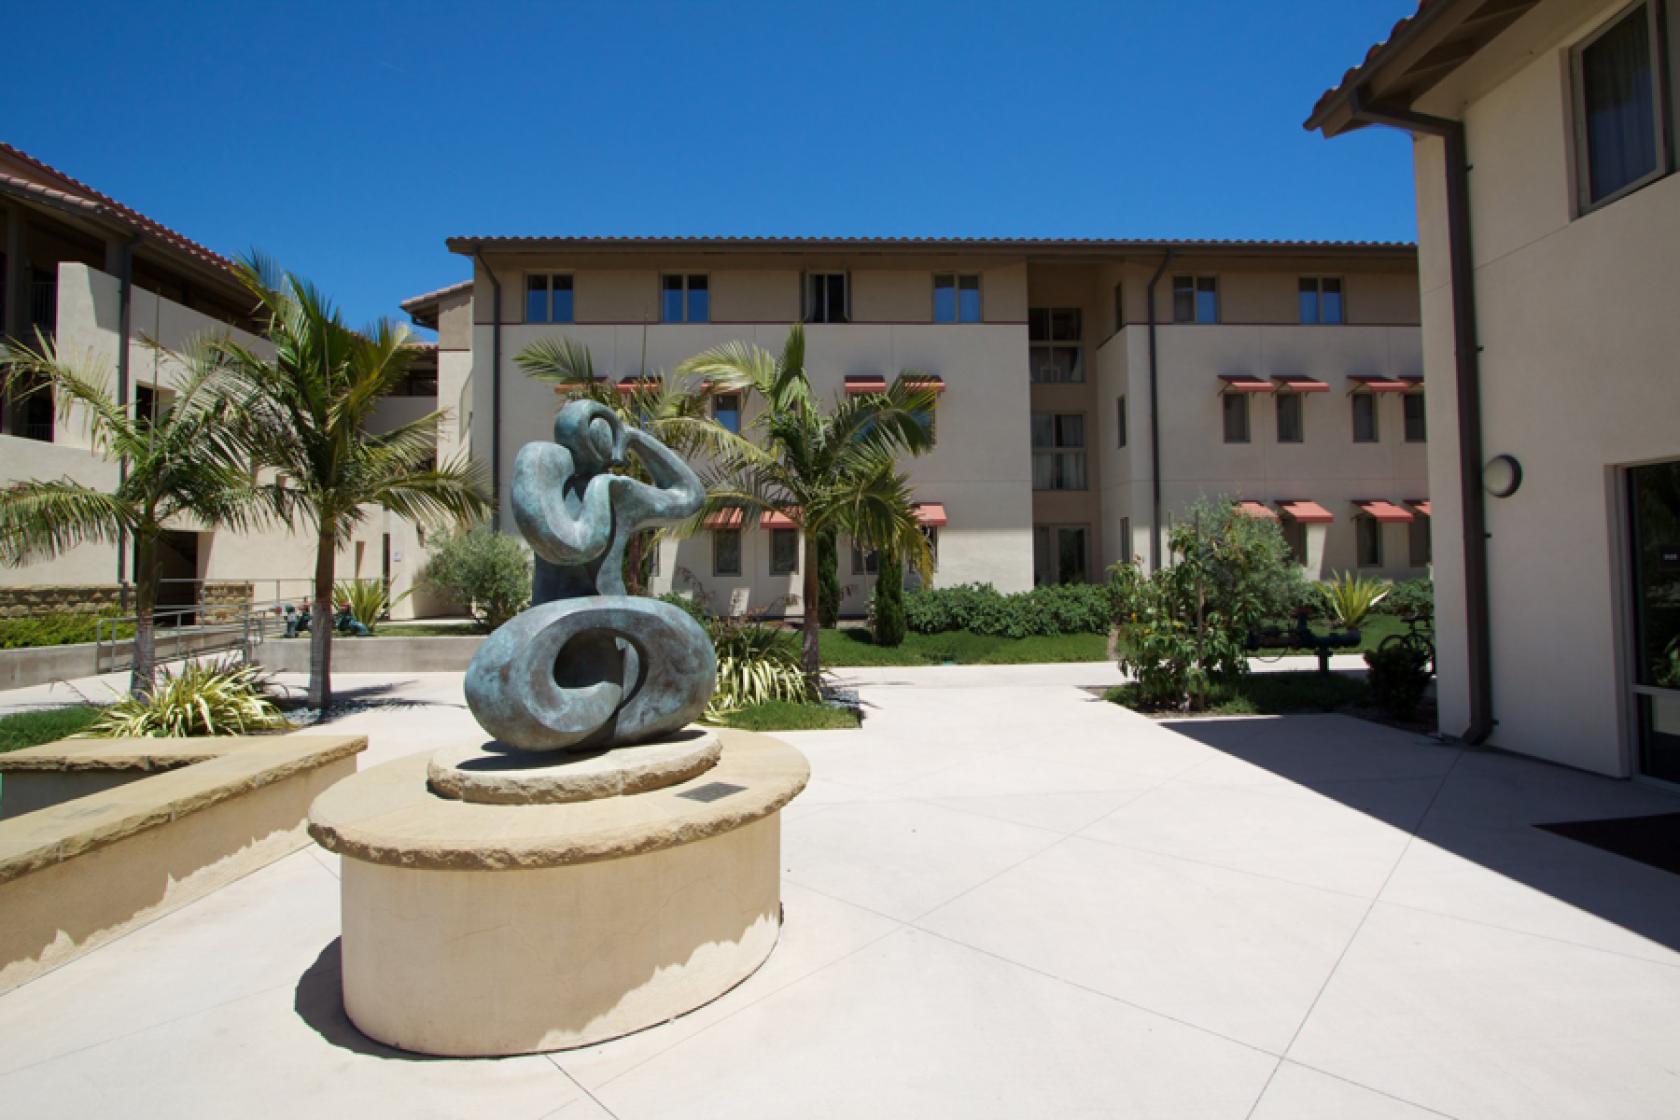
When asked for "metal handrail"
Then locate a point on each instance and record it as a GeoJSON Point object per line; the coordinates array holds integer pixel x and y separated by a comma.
{"type": "Point", "coordinates": [247, 629]}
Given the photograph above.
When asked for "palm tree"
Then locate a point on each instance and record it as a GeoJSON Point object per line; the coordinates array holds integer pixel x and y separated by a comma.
{"type": "Point", "coordinates": [828, 470]}
{"type": "Point", "coordinates": [181, 466]}
{"type": "Point", "coordinates": [304, 413]}
{"type": "Point", "coordinates": [665, 408]}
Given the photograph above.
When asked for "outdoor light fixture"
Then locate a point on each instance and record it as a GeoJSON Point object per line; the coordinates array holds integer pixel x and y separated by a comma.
{"type": "Point", "coordinates": [1502, 475]}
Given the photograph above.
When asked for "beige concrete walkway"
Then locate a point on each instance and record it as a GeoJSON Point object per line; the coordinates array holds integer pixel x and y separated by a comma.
{"type": "Point", "coordinates": [1004, 898]}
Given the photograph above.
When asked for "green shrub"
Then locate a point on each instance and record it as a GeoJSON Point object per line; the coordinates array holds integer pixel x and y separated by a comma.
{"type": "Point", "coordinates": [1348, 598]}
{"type": "Point", "coordinates": [1072, 608]}
{"type": "Point", "coordinates": [487, 572]}
{"type": "Point", "coordinates": [756, 665]}
{"type": "Point", "coordinates": [1399, 674]}
{"type": "Point", "coordinates": [887, 604]}
{"type": "Point", "coordinates": [203, 698]}
{"type": "Point", "coordinates": [828, 581]}
{"type": "Point", "coordinates": [370, 600]}
{"type": "Point", "coordinates": [691, 605]}
{"type": "Point", "coordinates": [1411, 597]}
{"type": "Point", "coordinates": [60, 628]}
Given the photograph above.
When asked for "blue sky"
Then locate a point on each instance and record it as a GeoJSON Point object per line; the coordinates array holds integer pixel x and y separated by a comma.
{"type": "Point", "coordinates": [349, 140]}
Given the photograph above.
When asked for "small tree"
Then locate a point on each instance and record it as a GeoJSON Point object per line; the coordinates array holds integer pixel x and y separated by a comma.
{"type": "Point", "coordinates": [889, 601]}
{"type": "Point", "coordinates": [487, 572]}
{"type": "Point", "coordinates": [828, 579]}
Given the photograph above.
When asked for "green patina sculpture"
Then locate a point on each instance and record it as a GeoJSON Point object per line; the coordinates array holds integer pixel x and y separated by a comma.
{"type": "Point", "coordinates": [587, 666]}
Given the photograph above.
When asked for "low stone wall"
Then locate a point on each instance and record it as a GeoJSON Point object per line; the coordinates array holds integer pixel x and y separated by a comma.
{"type": "Point", "coordinates": [221, 599]}
{"type": "Point", "coordinates": [197, 815]}
{"type": "Point", "coordinates": [373, 655]}
{"type": "Point", "coordinates": [20, 668]}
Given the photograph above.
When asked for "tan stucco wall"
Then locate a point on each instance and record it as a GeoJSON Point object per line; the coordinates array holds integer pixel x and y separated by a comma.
{"type": "Point", "coordinates": [1578, 339]}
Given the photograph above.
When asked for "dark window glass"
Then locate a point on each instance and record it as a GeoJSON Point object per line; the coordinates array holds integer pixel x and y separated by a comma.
{"type": "Point", "coordinates": [1184, 299]}
{"type": "Point", "coordinates": [1120, 421]}
{"type": "Point", "coordinates": [1618, 105]}
{"type": "Point", "coordinates": [968, 299]}
{"type": "Point", "coordinates": [561, 295]}
{"type": "Point", "coordinates": [1119, 307]}
{"type": "Point", "coordinates": [671, 299]}
{"type": "Point", "coordinates": [536, 299]}
{"type": "Point", "coordinates": [726, 552]}
{"type": "Point", "coordinates": [1207, 300]}
{"type": "Point", "coordinates": [1058, 442]}
{"type": "Point", "coordinates": [699, 309]}
{"type": "Point", "coordinates": [1054, 352]}
{"type": "Point", "coordinates": [1195, 299]}
{"type": "Point", "coordinates": [1309, 300]}
{"type": "Point", "coordinates": [784, 551]}
{"type": "Point", "coordinates": [931, 533]}
{"type": "Point", "coordinates": [1236, 417]}
{"type": "Point", "coordinates": [1369, 533]}
{"type": "Point", "coordinates": [1330, 305]}
{"type": "Point", "coordinates": [865, 563]}
{"type": "Point", "coordinates": [825, 297]}
{"type": "Point", "coordinates": [1364, 418]}
{"type": "Point", "coordinates": [1290, 418]}
{"type": "Point", "coordinates": [1418, 543]}
{"type": "Point", "coordinates": [945, 298]}
{"type": "Point", "coordinates": [1417, 429]}
{"type": "Point", "coordinates": [726, 410]}
{"type": "Point", "coordinates": [1654, 498]}
{"type": "Point", "coordinates": [1295, 534]}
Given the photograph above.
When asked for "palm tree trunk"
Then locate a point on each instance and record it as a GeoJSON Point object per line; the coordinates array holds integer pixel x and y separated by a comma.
{"type": "Point", "coordinates": [321, 625]}
{"type": "Point", "coordinates": [143, 676]}
{"type": "Point", "coordinates": [811, 623]}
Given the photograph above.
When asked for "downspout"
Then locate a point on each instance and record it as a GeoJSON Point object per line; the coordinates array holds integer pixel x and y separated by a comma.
{"type": "Point", "coordinates": [495, 390]}
{"type": "Point", "coordinates": [1155, 421]}
{"type": "Point", "coordinates": [125, 327]}
{"type": "Point", "coordinates": [1469, 374]}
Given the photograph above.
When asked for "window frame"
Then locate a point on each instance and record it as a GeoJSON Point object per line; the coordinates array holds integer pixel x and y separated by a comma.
{"type": "Point", "coordinates": [1406, 406]}
{"type": "Point", "coordinates": [1059, 451]}
{"type": "Point", "coordinates": [956, 279]}
{"type": "Point", "coordinates": [865, 563]}
{"type": "Point", "coordinates": [737, 398]}
{"type": "Point", "coordinates": [1049, 344]}
{"type": "Point", "coordinates": [688, 290]}
{"type": "Point", "coordinates": [1052, 531]}
{"type": "Point", "coordinates": [548, 279]}
{"type": "Point", "coordinates": [1376, 416]}
{"type": "Point", "coordinates": [809, 301]}
{"type": "Point", "coordinates": [1235, 404]}
{"type": "Point", "coordinates": [1295, 536]}
{"type": "Point", "coordinates": [1420, 542]}
{"type": "Point", "coordinates": [1297, 402]}
{"type": "Point", "coordinates": [1195, 284]}
{"type": "Point", "coordinates": [1318, 283]}
{"type": "Point", "coordinates": [718, 536]}
{"type": "Point", "coordinates": [1660, 94]}
{"type": "Point", "coordinates": [1363, 524]}
{"type": "Point", "coordinates": [774, 537]}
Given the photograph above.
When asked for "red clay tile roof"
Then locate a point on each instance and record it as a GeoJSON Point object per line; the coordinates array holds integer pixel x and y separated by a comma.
{"type": "Point", "coordinates": [55, 186]}
{"type": "Point", "coordinates": [423, 298]}
{"type": "Point", "coordinates": [1374, 55]}
{"type": "Point", "coordinates": [467, 244]}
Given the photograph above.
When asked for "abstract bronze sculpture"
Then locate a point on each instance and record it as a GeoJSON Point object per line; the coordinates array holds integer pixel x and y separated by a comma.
{"type": "Point", "coordinates": [587, 666]}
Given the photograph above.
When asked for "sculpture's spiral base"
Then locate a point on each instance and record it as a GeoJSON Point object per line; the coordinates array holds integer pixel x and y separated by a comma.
{"type": "Point", "coordinates": [480, 929]}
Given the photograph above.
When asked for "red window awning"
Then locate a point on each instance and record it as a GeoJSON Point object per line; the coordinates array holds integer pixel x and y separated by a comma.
{"type": "Point", "coordinates": [1384, 511]}
{"type": "Point", "coordinates": [1381, 385]}
{"type": "Point", "coordinates": [926, 384]}
{"type": "Point", "coordinates": [930, 514]}
{"type": "Point", "coordinates": [1421, 506]}
{"type": "Point", "coordinates": [636, 384]}
{"type": "Point", "coordinates": [858, 384]}
{"type": "Point", "coordinates": [1295, 383]}
{"type": "Point", "coordinates": [1257, 509]}
{"type": "Point", "coordinates": [779, 518]}
{"type": "Point", "coordinates": [1308, 513]}
{"type": "Point", "coordinates": [725, 519]}
{"type": "Point", "coordinates": [1244, 383]}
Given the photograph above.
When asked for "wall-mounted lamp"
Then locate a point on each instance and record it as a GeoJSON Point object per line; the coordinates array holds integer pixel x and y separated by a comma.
{"type": "Point", "coordinates": [1502, 476]}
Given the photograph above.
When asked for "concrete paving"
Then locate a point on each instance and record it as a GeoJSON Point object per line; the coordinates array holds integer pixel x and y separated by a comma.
{"type": "Point", "coordinates": [1004, 898]}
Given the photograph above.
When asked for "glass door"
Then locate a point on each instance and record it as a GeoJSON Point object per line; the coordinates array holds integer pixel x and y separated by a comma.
{"type": "Point", "coordinates": [1654, 507]}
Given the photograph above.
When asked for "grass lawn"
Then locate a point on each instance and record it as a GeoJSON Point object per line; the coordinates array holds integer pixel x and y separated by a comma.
{"type": "Point", "coordinates": [1270, 694]}
{"type": "Point", "coordinates": [779, 715]}
{"type": "Point", "coordinates": [424, 630]}
{"type": "Point", "coordinates": [31, 729]}
{"type": "Point", "coordinates": [851, 647]}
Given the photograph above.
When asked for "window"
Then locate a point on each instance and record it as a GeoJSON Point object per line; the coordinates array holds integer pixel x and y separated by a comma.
{"type": "Point", "coordinates": [1291, 418]}
{"type": "Point", "coordinates": [1368, 534]}
{"type": "Point", "coordinates": [726, 410]}
{"type": "Point", "coordinates": [1120, 421]}
{"type": "Point", "coordinates": [147, 401]}
{"type": "Point", "coordinates": [928, 419]}
{"type": "Point", "coordinates": [683, 299]}
{"type": "Point", "coordinates": [1417, 429]}
{"type": "Point", "coordinates": [784, 552]}
{"type": "Point", "coordinates": [1058, 442]}
{"type": "Point", "coordinates": [865, 563]}
{"type": "Point", "coordinates": [1195, 299]}
{"type": "Point", "coordinates": [1053, 345]}
{"type": "Point", "coordinates": [827, 298]}
{"type": "Point", "coordinates": [726, 552]}
{"type": "Point", "coordinates": [1618, 121]}
{"type": "Point", "coordinates": [548, 298]}
{"type": "Point", "coordinates": [1125, 540]}
{"type": "Point", "coordinates": [956, 297]}
{"type": "Point", "coordinates": [1058, 554]}
{"type": "Point", "coordinates": [1295, 535]}
{"type": "Point", "coordinates": [1321, 299]}
{"type": "Point", "coordinates": [931, 534]}
{"type": "Point", "coordinates": [1364, 418]}
{"type": "Point", "coordinates": [1236, 417]}
{"type": "Point", "coordinates": [1418, 542]}
{"type": "Point", "coordinates": [1119, 307]}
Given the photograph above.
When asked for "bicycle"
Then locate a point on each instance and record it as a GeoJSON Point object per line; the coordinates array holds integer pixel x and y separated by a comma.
{"type": "Point", "coordinates": [1419, 636]}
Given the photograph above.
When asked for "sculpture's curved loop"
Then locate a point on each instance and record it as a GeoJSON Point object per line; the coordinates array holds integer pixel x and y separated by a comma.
{"type": "Point", "coordinates": [587, 665]}
{"type": "Point", "coordinates": [591, 672]}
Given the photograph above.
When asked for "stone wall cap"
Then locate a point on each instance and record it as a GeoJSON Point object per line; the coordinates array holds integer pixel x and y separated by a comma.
{"type": "Point", "coordinates": [387, 815]}
{"type": "Point", "coordinates": [33, 841]}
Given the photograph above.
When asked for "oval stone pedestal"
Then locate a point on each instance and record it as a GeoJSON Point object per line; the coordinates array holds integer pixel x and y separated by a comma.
{"type": "Point", "coordinates": [475, 929]}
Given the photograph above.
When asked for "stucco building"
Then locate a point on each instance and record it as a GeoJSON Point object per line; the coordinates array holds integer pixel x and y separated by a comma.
{"type": "Point", "coordinates": [1549, 224]}
{"type": "Point", "coordinates": [101, 279]}
{"type": "Point", "coordinates": [1288, 376]}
